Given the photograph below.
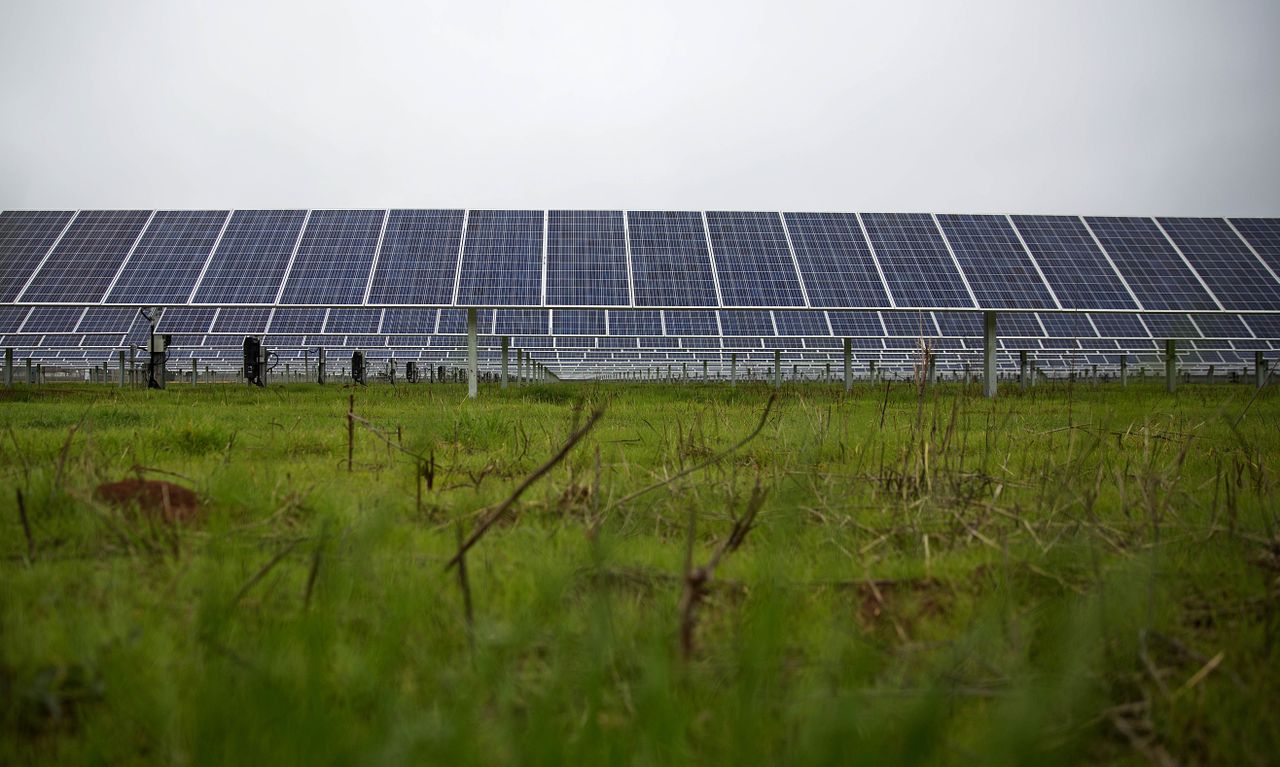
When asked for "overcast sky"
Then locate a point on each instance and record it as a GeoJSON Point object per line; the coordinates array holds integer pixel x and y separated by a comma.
{"type": "Point", "coordinates": [1163, 106]}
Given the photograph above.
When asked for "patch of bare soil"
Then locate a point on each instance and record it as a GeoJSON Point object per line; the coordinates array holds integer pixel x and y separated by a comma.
{"type": "Point", "coordinates": [174, 503]}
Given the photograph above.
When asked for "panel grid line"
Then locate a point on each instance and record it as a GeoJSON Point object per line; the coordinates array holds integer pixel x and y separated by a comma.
{"type": "Point", "coordinates": [1183, 256]}
{"type": "Point", "coordinates": [47, 253]}
{"type": "Point", "coordinates": [120, 270]}
{"type": "Point", "coordinates": [209, 259]}
{"type": "Point", "coordinates": [377, 252]}
{"type": "Point", "coordinates": [284, 279]}
{"type": "Point", "coordinates": [804, 292]}
{"type": "Point", "coordinates": [1112, 262]}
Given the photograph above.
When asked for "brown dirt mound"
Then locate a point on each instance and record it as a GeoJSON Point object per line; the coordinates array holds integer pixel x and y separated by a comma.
{"type": "Point", "coordinates": [173, 502]}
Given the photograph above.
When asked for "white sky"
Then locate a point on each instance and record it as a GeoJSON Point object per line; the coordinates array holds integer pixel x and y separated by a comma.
{"type": "Point", "coordinates": [1118, 106]}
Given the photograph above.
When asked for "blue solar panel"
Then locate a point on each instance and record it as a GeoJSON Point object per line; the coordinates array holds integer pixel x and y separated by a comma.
{"type": "Point", "coordinates": [1068, 326]}
{"type": "Point", "coordinates": [746, 323]}
{"type": "Point", "coordinates": [1170, 326]}
{"type": "Point", "coordinates": [11, 318]}
{"type": "Point", "coordinates": [1264, 235]}
{"type": "Point", "coordinates": [1264, 325]}
{"type": "Point", "coordinates": [105, 319]}
{"type": "Point", "coordinates": [644, 322]}
{"type": "Point", "coordinates": [25, 238]}
{"type": "Point", "coordinates": [87, 257]}
{"type": "Point", "coordinates": [753, 260]}
{"type": "Point", "coordinates": [502, 258]}
{"type": "Point", "coordinates": [955, 324]}
{"type": "Point", "coordinates": [51, 319]}
{"type": "Point", "coordinates": [509, 322]}
{"type": "Point", "coordinates": [297, 321]}
{"type": "Point", "coordinates": [455, 321]}
{"type": "Point", "coordinates": [419, 321]}
{"type": "Point", "coordinates": [419, 257]}
{"type": "Point", "coordinates": [1120, 326]}
{"type": "Point", "coordinates": [334, 257]}
{"type": "Point", "coordinates": [1225, 263]}
{"type": "Point", "coordinates": [251, 258]}
{"type": "Point", "coordinates": [690, 323]}
{"type": "Point", "coordinates": [801, 323]}
{"type": "Point", "coordinates": [353, 321]}
{"type": "Point", "coordinates": [669, 259]}
{"type": "Point", "coordinates": [855, 323]}
{"type": "Point", "coordinates": [586, 258]}
{"type": "Point", "coordinates": [835, 260]}
{"type": "Point", "coordinates": [185, 320]}
{"type": "Point", "coordinates": [1221, 326]}
{"type": "Point", "coordinates": [999, 271]}
{"type": "Point", "coordinates": [1149, 264]}
{"type": "Point", "coordinates": [915, 260]}
{"type": "Point", "coordinates": [1075, 268]}
{"type": "Point", "coordinates": [577, 321]}
{"type": "Point", "coordinates": [241, 321]}
{"type": "Point", "coordinates": [909, 324]}
{"type": "Point", "coordinates": [169, 257]}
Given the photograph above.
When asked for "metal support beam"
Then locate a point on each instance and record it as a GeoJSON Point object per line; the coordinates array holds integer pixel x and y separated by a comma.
{"type": "Point", "coordinates": [1124, 370]}
{"type": "Point", "coordinates": [848, 365]}
{"type": "Point", "coordinates": [777, 369]}
{"type": "Point", "coordinates": [1259, 370]}
{"type": "Point", "coordinates": [1170, 365]}
{"type": "Point", "coordinates": [989, 355]}
{"type": "Point", "coordinates": [473, 384]}
{"type": "Point", "coordinates": [320, 366]}
{"type": "Point", "coordinates": [8, 368]}
{"type": "Point", "coordinates": [871, 371]}
{"type": "Point", "coordinates": [733, 369]}
{"type": "Point", "coordinates": [122, 368]}
{"type": "Point", "coordinates": [1022, 370]}
{"type": "Point", "coordinates": [506, 346]}
{"type": "Point", "coordinates": [195, 375]}
{"type": "Point", "coordinates": [31, 373]}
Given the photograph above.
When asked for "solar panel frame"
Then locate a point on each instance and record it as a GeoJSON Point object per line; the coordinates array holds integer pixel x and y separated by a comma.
{"type": "Point", "coordinates": [26, 238]}
{"type": "Point", "coordinates": [162, 268]}
{"type": "Point", "coordinates": [1150, 265]}
{"type": "Point", "coordinates": [917, 264]}
{"type": "Point", "coordinates": [587, 258]}
{"type": "Point", "coordinates": [87, 257]}
{"type": "Point", "coordinates": [1074, 265]}
{"type": "Point", "coordinates": [248, 264]}
{"type": "Point", "coordinates": [996, 265]}
{"type": "Point", "coordinates": [836, 263]}
{"type": "Point", "coordinates": [334, 257]}
{"type": "Point", "coordinates": [670, 259]}
{"type": "Point", "coordinates": [417, 262]}
{"type": "Point", "coordinates": [1224, 261]}
{"type": "Point", "coordinates": [754, 265]}
{"type": "Point", "coordinates": [501, 261]}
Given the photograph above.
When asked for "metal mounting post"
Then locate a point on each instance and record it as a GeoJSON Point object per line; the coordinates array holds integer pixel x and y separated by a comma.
{"type": "Point", "coordinates": [473, 384]}
{"type": "Point", "coordinates": [1170, 365]}
{"type": "Point", "coordinates": [777, 369]}
{"type": "Point", "coordinates": [506, 345]}
{"type": "Point", "coordinates": [989, 355]}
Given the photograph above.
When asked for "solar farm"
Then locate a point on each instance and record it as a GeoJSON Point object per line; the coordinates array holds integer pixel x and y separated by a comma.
{"type": "Point", "coordinates": [659, 487]}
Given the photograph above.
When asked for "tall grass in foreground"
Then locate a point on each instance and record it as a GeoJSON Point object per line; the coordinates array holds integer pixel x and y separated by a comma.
{"type": "Point", "coordinates": [1071, 573]}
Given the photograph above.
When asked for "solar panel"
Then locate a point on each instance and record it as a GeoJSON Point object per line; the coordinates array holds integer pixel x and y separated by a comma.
{"type": "Point", "coordinates": [909, 324]}
{"type": "Point", "coordinates": [25, 238]}
{"type": "Point", "coordinates": [998, 269]}
{"type": "Point", "coordinates": [1120, 326]}
{"type": "Point", "coordinates": [915, 260]}
{"type": "Point", "coordinates": [1072, 263]}
{"type": "Point", "coordinates": [746, 323]}
{"type": "Point", "coordinates": [419, 257]}
{"type": "Point", "coordinates": [635, 323]}
{"type": "Point", "coordinates": [241, 321]}
{"type": "Point", "coordinates": [1068, 326]}
{"type": "Point", "coordinates": [690, 323]}
{"type": "Point", "coordinates": [11, 318]}
{"type": "Point", "coordinates": [1263, 234]}
{"type": "Point", "coordinates": [420, 321]}
{"type": "Point", "coordinates": [185, 320]}
{"type": "Point", "coordinates": [353, 321]}
{"type": "Point", "coordinates": [856, 323]}
{"type": "Point", "coordinates": [753, 260]}
{"type": "Point", "coordinates": [455, 321]}
{"type": "Point", "coordinates": [1264, 325]}
{"type": "Point", "coordinates": [297, 321]}
{"type": "Point", "coordinates": [1149, 264]}
{"type": "Point", "coordinates": [669, 259]}
{"type": "Point", "coordinates": [109, 319]}
{"type": "Point", "coordinates": [835, 261]}
{"type": "Point", "coordinates": [801, 323]}
{"type": "Point", "coordinates": [52, 319]}
{"type": "Point", "coordinates": [169, 257]}
{"type": "Point", "coordinates": [1221, 326]}
{"type": "Point", "coordinates": [502, 258]}
{"type": "Point", "coordinates": [962, 324]}
{"type": "Point", "coordinates": [509, 322]}
{"type": "Point", "coordinates": [1225, 263]}
{"type": "Point", "coordinates": [334, 257]}
{"type": "Point", "coordinates": [251, 258]}
{"type": "Point", "coordinates": [587, 258]}
{"type": "Point", "coordinates": [87, 257]}
{"type": "Point", "coordinates": [577, 322]}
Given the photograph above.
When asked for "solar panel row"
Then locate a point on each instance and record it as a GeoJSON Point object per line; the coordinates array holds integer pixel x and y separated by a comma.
{"type": "Point", "coordinates": [639, 258]}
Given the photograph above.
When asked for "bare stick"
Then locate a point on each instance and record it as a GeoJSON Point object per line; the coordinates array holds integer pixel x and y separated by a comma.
{"type": "Point", "coordinates": [764, 417]}
{"type": "Point", "coordinates": [465, 585]}
{"type": "Point", "coordinates": [538, 473]}
{"type": "Point", "coordinates": [311, 576]}
{"type": "Point", "coordinates": [268, 567]}
{"type": "Point", "coordinates": [351, 430]}
{"type": "Point", "coordinates": [26, 528]}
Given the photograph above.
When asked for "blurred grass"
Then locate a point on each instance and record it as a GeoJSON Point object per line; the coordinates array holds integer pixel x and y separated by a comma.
{"type": "Point", "coordinates": [1070, 573]}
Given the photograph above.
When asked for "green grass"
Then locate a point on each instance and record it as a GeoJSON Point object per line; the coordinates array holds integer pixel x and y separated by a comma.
{"type": "Point", "coordinates": [1071, 573]}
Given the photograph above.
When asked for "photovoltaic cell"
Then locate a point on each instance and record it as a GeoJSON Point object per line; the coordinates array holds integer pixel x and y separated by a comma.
{"type": "Point", "coordinates": [86, 259]}
{"type": "Point", "coordinates": [691, 323]}
{"type": "Point", "coordinates": [502, 258]}
{"type": "Point", "coordinates": [251, 258]}
{"type": "Point", "coordinates": [1068, 326]}
{"type": "Point", "coordinates": [169, 257]}
{"type": "Point", "coordinates": [855, 323]}
{"type": "Point", "coordinates": [296, 321]}
{"type": "Point", "coordinates": [1232, 272]}
{"type": "Point", "coordinates": [746, 323]}
{"type": "Point", "coordinates": [419, 257]}
{"type": "Point", "coordinates": [577, 322]}
{"type": "Point", "coordinates": [241, 321]}
{"type": "Point", "coordinates": [25, 238]}
{"type": "Point", "coordinates": [834, 259]}
{"type": "Point", "coordinates": [801, 323]}
{"type": "Point", "coordinates": [1165, 326]}
{"type": "Point", "coordinates": [52, 319]}
{"type": "Point", "coordinates": [1075, 268]}
{"type": "Point", "coordinates": [1264, 235]}
{"type": "Point", "coordinates": [334, 257]}
{"type": "Point", "coordinates": [999, 271]}
{"type": "Point", "coordinates": [11, 318]}
{"type": "Point", "coordinates": [108, 319]}
{"type": "Point", "coordinates": [184, 320]}
{"type": "Point", "coordinates": [1150, 264]}
{"type": "Point", "coordinates": [420, 321]}
{"type": "Point", "coordinates": [1120, 326]}
{"type": "Point", "coordinates": [915, 260]}
{"type": "Point", "coordinates": [635, 323]}
{"type": "Point", "coordinates": [353, 321]}
{"type": "Point", "coordinates": [455, 321]}
{"type": "Point", "coordinates": [957, 324]}
{"type": "Point", "coordinates": [909, 324]}
{"type": "Point", "coordinates": [1264, 325]}
{"type": "Point", "coordinates": [509, 322]}
{"type": "Point", "coordinates": [1221, 326]}
{"type": "Point", "coordinates": [752, 259]}
{"type": "Point", "coordinates": [669, 259]}
{"type": "Point", "coordinates": [586, 258]}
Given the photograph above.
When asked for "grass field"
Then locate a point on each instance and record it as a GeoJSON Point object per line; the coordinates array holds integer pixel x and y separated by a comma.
{"type": "Point", "coordinates": [1071, 573]}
